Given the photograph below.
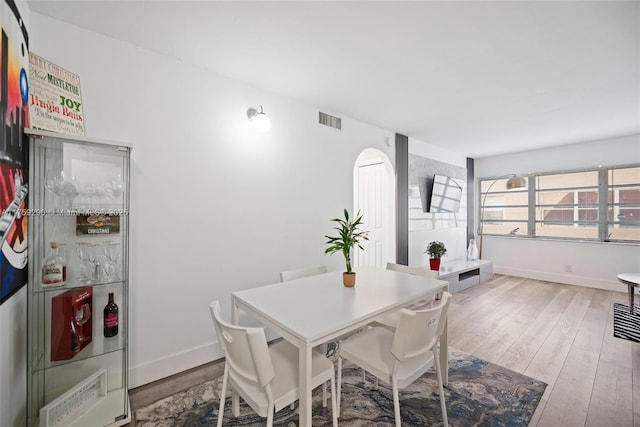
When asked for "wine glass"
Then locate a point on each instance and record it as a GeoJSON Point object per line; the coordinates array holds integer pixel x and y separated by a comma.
{"type": "Point", "coordinates": [111, 252]}
{"type": "Point", "coordinates": [82, 316]}
{"type": "Point", "coordinates": [110, 270]}
{"type": "Point", "coordinates": [114, 186]}
{"type": "Point", "coordinates": [60, 186]}
{"type": "Point", "coordinates": [52, 183]}
{"type": "Point", "coordinates": [92, 256]}
{"type": "Point", "coordinates": [83, 192]}
{"type": "Point", "coordinates": [88, 192]}
{"type": "Point", "coordinates": [82, 251]}
{"type": "Point", "coordinates": [96, 192]}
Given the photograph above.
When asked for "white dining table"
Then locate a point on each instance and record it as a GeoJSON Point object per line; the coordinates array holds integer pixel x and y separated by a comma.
{"type": "Point", "coordinates": [318, 309]}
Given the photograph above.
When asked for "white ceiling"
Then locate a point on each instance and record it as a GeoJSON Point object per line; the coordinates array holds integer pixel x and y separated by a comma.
{"type": "Point", "coordinates": [477, 77]}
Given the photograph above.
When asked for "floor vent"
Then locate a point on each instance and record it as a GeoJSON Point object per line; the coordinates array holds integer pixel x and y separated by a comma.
{"type": "Point", "coordinates": [329, 120]}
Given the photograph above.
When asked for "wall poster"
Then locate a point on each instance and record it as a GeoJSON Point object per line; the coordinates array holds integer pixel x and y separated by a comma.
{"type": "Point", "coordinates": [14, 117]}
{"type": "Point", "coordinates": [55, 98]}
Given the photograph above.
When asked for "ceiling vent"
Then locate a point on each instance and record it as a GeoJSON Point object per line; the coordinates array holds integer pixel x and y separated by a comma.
{"type": "Point", "coordinates": [329, 120]}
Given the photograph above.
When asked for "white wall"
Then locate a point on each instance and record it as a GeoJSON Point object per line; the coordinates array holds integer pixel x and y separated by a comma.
{"type": "Point", "coordinates": [594, 264]}
{"type": "Point", "coordinates": [215, 206]}
{"type": "Point", "coordinates": [454, 238]}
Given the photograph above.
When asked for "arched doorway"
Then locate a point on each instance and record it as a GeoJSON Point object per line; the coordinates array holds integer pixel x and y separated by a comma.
{"type": "Point", "coordinates": [374, 196]}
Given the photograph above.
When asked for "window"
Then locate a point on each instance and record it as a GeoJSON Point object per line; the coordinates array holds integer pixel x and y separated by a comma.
{"type": "Point", "coordinates": [505, 212]}
{"type": "Point", "coordinates": [623, 204]}
{"type": "Point", "coordinates": [598, 204]}
{"type": "Point", "coordinates": [567, 205]}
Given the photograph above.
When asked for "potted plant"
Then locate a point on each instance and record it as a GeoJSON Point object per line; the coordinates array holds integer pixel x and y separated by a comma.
{"type": "Point", "coordinates": [436, 250]}
{"type": "Point", "coordinates": [349, 235]}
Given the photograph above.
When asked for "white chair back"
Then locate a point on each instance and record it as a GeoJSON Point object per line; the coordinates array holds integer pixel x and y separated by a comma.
{"type": "Point", "coordinates": [444, 314]}
{"type": "Point", "coordinates": [412, 270]}
{"type": "Point", "coordinates": [418, 331]}
{"type": "Point", "coordinates": [245, 350]}
{"type": "Point", "coordinates": [302, 272]}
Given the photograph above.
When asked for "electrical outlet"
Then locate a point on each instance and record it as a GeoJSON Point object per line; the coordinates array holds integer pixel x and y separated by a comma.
{"type": "Point", "coordinates": [568, 268]}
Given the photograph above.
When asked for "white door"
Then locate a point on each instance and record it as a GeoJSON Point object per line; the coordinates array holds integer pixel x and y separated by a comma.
{"type": "Point", "coordinates": [372, 199]}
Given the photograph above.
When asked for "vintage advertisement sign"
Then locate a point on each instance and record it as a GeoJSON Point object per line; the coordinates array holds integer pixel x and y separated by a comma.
{"type": "Point", "coordinates": [97, 224]}
{"type": "Point", "coordinates": [55, 100]}
{"type": "Point", "coordinates": [14, 117]}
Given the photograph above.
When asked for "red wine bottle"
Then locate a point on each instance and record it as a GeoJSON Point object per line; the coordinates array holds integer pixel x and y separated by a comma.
{"type": "Point", "coordinates": [110, 318]}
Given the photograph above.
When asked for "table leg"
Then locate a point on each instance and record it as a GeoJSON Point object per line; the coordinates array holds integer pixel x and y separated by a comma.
{"type": "Point", "coordinates": [630, 298]}
{"type": "Point", "coordinates": [235, 398]}
{"type": "Point", "coordinates": [304, 357]}
{"type": "Point", "coordinates": [323, 348]}
{"type": "Point", "coordinates": [444, 348]}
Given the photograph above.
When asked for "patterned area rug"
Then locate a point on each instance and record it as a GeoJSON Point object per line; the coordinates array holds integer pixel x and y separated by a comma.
{"type": "Point", "coordinates": [479, 394]}
{"type": "Point", "coordinates": [626, 325]}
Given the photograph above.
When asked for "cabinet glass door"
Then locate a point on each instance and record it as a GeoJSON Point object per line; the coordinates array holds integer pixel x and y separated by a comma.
{"type": "Point", "coordinates": [78, 222]}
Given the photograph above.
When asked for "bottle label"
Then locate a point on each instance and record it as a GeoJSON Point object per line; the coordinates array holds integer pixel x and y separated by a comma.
{"type": "Point", "coordinates": [111, 320]}
{"type": "Point", "coordinates": [53, 274]}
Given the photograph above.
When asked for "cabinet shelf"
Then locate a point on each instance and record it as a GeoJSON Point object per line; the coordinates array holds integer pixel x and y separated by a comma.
{"type": "Point", "coordinates": [97, 347]}
{"type": "Point", "coordinates": [77, 285]}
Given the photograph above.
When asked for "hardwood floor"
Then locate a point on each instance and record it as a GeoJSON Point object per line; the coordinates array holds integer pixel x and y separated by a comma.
{"type": "Point", "coordinates": [559, 334]}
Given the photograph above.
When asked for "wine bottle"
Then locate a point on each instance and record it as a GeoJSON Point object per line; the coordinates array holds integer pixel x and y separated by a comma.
{"type": "Point", "coordinates": [111, 318]}
{"type": "Point", "coordinates": [54, 268]}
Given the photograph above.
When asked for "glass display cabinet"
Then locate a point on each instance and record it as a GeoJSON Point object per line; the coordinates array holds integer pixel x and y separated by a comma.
{"type": "Point", "coordinates": [78, 237]}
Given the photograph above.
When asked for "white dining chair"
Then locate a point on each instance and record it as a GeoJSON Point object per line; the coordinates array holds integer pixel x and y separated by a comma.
{"type": "Point", "coordinates": [401, 357]}
{"type": "Point", "coordinates": [390, 320]}
{"type": "Point", "coordinates": [302, 272]}
{"type": "Point", "coordinates": [265, 376]}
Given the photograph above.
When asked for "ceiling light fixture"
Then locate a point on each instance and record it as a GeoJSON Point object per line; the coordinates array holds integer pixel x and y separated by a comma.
{"type": "Point", "coordinates": [261, 122]}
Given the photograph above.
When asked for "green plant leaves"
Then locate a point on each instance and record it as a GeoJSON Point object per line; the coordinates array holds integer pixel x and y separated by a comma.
{"type": "Point", "coordinates": [348, 236]}
{"type": "Point", "coordinates": [436, 249]}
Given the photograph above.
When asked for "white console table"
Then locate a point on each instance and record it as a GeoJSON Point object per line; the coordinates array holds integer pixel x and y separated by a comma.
{"type": "Point", "coordinates": [462, 274]}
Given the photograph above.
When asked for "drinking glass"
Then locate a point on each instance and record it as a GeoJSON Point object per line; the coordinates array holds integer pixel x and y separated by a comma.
{"type": "Point", "coordinates": [82, 252]}
{"type": "Point", "coordinates": [111, 252]}
{"type": "Point", "coordinates": [83, 193]}
{"type": "Point", "coordinates": [114, 186]}
{"type": "Point", "coordinates": [52, 182]}
{"type": "Point", "coordinates": [92, 255]}
{"type": "Point", "coordinates": [97, 193]}
{"type": "Point", "coordinates": [67, 188]}
{"type": "Point", "coordinates": [82, 316]}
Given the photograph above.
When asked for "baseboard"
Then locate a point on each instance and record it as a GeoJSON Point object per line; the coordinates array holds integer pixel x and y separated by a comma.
{"type": "Point", "coordinates": [173, 364]}
{"type": "Point", "coordinates": [589, 282]}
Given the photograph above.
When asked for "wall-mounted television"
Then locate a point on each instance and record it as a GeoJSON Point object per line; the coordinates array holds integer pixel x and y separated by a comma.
{"type": "Point", "coordinates": [446, 193]}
